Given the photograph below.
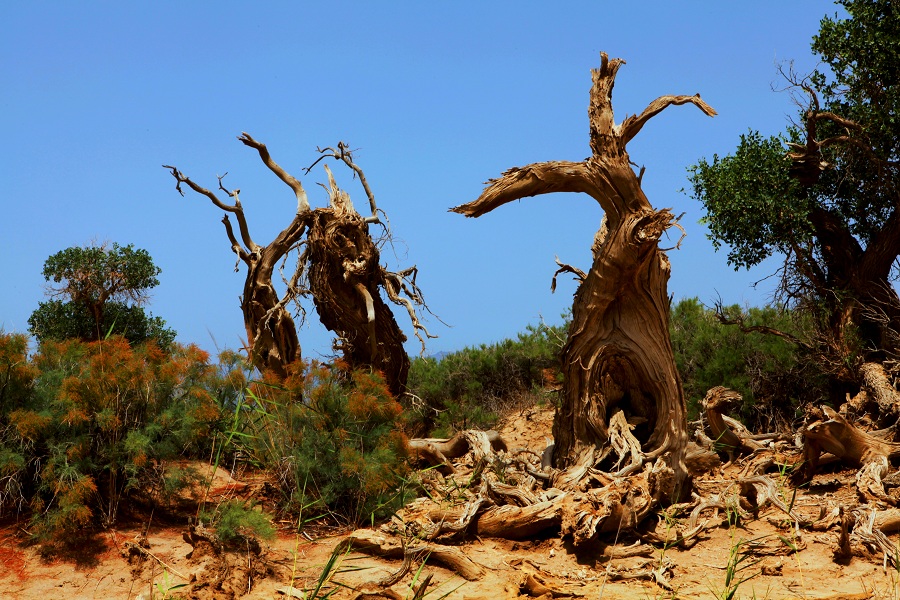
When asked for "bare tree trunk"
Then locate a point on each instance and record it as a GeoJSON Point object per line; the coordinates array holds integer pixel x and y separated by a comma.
{"type": "Point", "coordinates": [618, 355]}
{"type": "Point", "coordinates": [271, 334]}
{"type": "Point", "coordinates": [338, 256]}
{"type": "Point", "coordinates": [345, 278]}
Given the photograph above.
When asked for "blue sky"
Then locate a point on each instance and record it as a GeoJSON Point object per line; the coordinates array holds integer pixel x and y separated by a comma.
{"type": "Point", "coordinates": [438, 97]}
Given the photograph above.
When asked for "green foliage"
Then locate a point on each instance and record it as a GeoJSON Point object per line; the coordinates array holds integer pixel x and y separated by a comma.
{"type": "Point", "coordinates": [833, 215]}
{"type": "Point", "coordinates": [331, 436]}
{"type": "Point", "coordinates": [98, 273]}
{"type": "Point", "coordinates": [469, 388]}
{"type": "Point", "coordinates": [862, 56]}
{"type": "Point", "coordinates": [97, 290]}
{"type": "Point", "coordinates": [236, 522]}
{"type": "Point", "coordinates": [752, 203]}
{"type": "Point", "coordinates": [766, 370]}
{"type": "Point", "coordinates": [57, 320]}
{"type": "Point", "coordinates": [95, 425]}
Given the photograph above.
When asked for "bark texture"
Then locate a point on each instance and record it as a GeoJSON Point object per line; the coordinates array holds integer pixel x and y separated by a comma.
{"type": "Point", "coordinates": [337, 264]}
{"type": "Point", "coordinates": [618, 355]}
{"type": "Point", "coordinates": [345, 281]}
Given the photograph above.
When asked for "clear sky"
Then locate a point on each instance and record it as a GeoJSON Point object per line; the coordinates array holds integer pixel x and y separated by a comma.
{"type": "Point", "coordinates": [437, 96]}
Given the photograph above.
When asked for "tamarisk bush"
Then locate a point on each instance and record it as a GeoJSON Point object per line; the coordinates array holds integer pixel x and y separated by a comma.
{"type": "Point", "coordinates": [91, 424]}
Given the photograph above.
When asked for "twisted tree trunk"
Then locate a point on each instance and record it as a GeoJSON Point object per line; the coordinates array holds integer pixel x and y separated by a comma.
{"type": "Point", "coordinates": [271, 334]}
{"type": "Point", "coordinates": [618, 355]}
{"type": "Point", "coordinates": [340, 260]}
{"type": "Point", "coordinates": [345, 278]}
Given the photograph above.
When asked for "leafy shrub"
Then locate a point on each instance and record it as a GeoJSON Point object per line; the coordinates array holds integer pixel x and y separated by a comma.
{"type": "Point", "coordinates": [17, 376]}
{"type": "Point", "coordinates": [96, 425]}
{"type": "Point", "coordinates": [471, 387]}
{"type": "Point", "coordinates": [332, 436]}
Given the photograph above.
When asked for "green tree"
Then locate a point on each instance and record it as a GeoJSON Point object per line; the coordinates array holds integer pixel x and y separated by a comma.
{"type": "Point", "coordinates": [98, 289]}
{"type": "Point", "coordinates": [825, 194]}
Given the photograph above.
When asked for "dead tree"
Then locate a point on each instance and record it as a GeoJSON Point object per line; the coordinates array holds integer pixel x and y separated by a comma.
{"type": "Point", "coordinates": [618, 356]}
{"type": "Point", "coordinates": [337, 264]}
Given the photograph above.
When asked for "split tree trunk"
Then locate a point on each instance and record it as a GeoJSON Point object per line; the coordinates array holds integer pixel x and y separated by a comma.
{"type": "Point", "coordinates": [618, 354]}
{"type": "Point", "coordinates": [345, 278]}
{"type": "Point", "coordinates": [340, 260]}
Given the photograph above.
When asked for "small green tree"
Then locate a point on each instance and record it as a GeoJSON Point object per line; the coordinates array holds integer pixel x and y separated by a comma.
{"type": "Point", "coordinates": [98, 289]}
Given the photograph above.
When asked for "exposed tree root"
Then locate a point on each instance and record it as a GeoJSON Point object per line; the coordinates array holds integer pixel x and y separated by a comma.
{"type": "Point", "coordinates": [728, 434]}
{"type": "Point", "coordinates": [370, 542]}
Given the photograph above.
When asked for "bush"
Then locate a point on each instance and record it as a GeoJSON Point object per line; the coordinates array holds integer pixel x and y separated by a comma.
{"type": "Point", "coordinates": [767, 370]}
{"type": "Point", "coordinates": [237, 522]}
{"type": "Point", "coordinates": [17, 376]}
{"type": "Point", "coordinates": [470, 388]}
{"type": "Point", "coordinates": [95, 425]}
{"type": "Point", "coordinates": [331, 436]}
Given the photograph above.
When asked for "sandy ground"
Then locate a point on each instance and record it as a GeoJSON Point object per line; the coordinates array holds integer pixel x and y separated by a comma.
{"type": "Point", "coordinates": [782, 562]}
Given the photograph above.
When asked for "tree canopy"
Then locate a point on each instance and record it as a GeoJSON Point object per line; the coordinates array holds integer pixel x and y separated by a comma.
{"type": "Point", "coordinates": [824, 194]}
{"type": "Point", "coordinates": [98, 289]}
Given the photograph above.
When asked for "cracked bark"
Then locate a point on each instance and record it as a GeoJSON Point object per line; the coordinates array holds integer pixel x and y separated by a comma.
{"type": "Point", "coordinates": [338, 259]}
{"type": "Point", "coordinates": [618, 355]}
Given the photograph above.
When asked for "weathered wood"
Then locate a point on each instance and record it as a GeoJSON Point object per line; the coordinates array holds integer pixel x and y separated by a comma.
{"type": "Point", "coordinates": [437, 452]}
{"type": "Point", "coordinates": [879, 387]}
{"type": "Point", "coordinates": [699, 460]}
{"type": "Point", "coordinates": [839, 437]}
{"type": "Point", "coordinates": [729, 436]}
{"type": "Point", "coordinates": [367, 541]}
{"type": "Point", "coordinates": [520, 522]}
{"type": "Point", "coordinates": [621, 505]}
{"type": "Point", "coordinates": [618, 355]}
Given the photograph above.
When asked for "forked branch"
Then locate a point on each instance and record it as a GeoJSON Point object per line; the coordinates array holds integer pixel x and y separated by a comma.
{"type": "Point", "coordinates": [401, 289]}
{"type": "Point", "coordinates": [290, 180]}
{"type": "Point", "coordinates": [235, 209]}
